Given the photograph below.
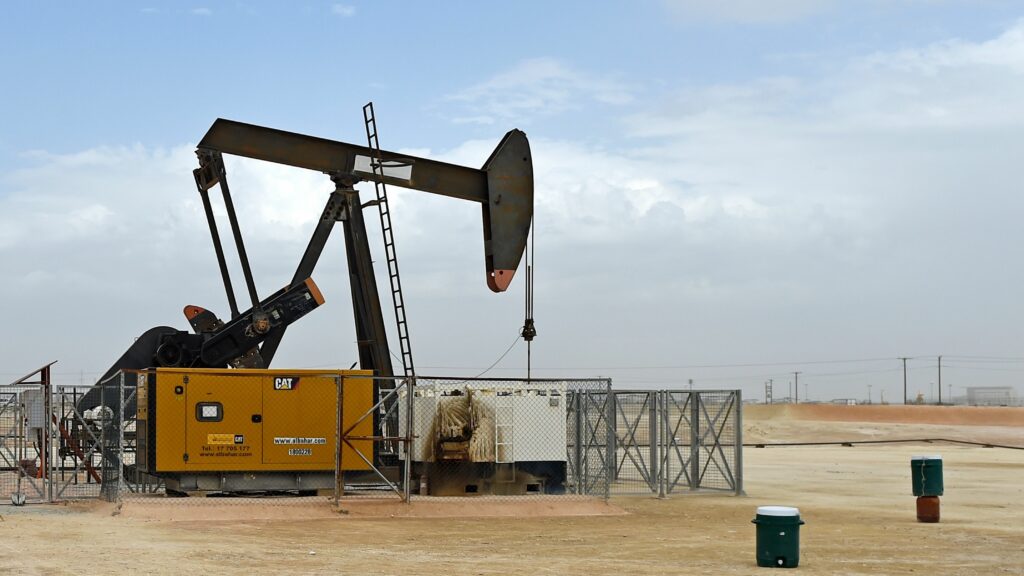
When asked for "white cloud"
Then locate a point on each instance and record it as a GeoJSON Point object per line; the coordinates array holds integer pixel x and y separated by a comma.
{"type": "Point", "coordinates": [201, 11]}
{"type": "Point", "coordinates": [343, 10]}
{"type": "Point", "coordinates": [863, 213]}
{"type": "Point", "coordinates": [536, 87]}
{"type": "Point", "coordinates": [948, 85]}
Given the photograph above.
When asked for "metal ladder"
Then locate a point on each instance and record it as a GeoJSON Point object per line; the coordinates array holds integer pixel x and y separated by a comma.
{"type": "Point", "coordinates": [504, 432]}
{"type": "Point", "coordinates": [389, 240]}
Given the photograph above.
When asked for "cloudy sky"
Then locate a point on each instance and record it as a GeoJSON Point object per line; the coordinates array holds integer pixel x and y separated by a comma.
{"type": "Point", "coordinates": [728, 191]}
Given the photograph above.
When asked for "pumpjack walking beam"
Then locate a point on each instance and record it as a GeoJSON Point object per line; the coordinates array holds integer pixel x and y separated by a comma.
{"type": "Point", "coordinates": [503, 187]}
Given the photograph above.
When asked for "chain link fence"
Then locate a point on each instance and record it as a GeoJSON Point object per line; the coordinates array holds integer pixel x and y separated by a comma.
{"type": "Point", "coordinates": [337, 435]}
{"type": "Point", "coordinates": [503, 437]}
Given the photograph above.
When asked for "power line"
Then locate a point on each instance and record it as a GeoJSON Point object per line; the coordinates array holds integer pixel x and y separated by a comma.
{"type": "Point", "coordinates": [969, 360]}
{"type": "Point", "coordinates": [988, 358]}
{"type": "Point", "coordinates": [983, 368]}
{"type": "Point", "coordinates": [706, 366]}
{"type": "Point", "coordinates": [858, 373]}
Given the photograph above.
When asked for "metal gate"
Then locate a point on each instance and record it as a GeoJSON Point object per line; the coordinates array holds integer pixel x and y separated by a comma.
{"type": "Point", "coordinates": [52, 451]}
{"type": "Point", "coordinates": [587, 439]}
{"type": "Point", "coordinates": [701, 440]}
{"type": "Point", "coordinates": [656, 441]}
{"type": "Point", "coordinates": [21, 475]}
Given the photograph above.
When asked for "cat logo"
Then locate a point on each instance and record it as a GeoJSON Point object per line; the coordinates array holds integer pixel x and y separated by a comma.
{"type": "Point", "coordinates": [285, 383]}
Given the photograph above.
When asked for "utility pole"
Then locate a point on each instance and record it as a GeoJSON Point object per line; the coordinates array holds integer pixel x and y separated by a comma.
{"type": "Point", "coordinates": [796, 387]}
{"type": "Point", "coordinates": [869, 394]}
{"type": "Point", "coordinates": [904, 379]}
{"type": "Point", "coordinates": [940, 379]}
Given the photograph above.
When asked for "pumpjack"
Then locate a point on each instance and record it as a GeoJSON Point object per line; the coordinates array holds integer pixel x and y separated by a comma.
{"type": "Point", "coordinates": [207, 394]}
{"type": "Point", "coordinates": [503, 187]}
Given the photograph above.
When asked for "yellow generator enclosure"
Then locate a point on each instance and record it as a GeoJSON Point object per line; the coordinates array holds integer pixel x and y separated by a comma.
{"type": "Point", "coordinates": [242, 430]}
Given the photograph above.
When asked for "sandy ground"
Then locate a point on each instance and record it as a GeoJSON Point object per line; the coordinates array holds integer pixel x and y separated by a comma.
{"type": "Point", "coordinates": [826, 422]}
{"type": "Point", "coordinates": [856, 501]}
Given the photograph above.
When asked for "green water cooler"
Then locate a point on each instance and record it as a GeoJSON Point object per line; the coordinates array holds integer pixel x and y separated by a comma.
{"type": "Point", "coordinates": [778, 536]}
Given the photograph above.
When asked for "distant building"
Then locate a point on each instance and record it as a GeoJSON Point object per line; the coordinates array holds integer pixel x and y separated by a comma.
{"type": "Point", "coordinates": [845, 401]}
{"type": "Point", "coordinates": [991, 396]}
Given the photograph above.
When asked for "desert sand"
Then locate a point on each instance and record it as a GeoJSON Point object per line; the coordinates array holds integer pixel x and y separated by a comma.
{"type": "Point", "coordinates": [856, 502]}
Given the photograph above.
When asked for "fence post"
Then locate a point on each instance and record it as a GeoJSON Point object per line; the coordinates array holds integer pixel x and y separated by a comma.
{"type": "Point", "coordinates": [663, 440]}
{"type": "Point", "coordinates": [410, 389]}
{"type": "Point", "coordinates": [591, 434]}
{"type": "Point", "coordinates": [339, 474]}
{"type": "Point", "coordinates": [738, 474]}
{"type": "Point", "coordinates": [47, 433]}
{"type": "Point", "coordinates": [652, 441]}
{"type": "Point", "coordinates": [19, 445]}
{"type": "Point", "coordinates": [695, 401]}
{"type": "Point", "coordinates": [612, 444]}
{"type": "Point", "coordinates": [120, 436]}
{"type": "Point", "coordinates": [577, 398]}
{"type": "Point", "coordinates": [104, 424]}
{"type": "Point", "coordinates": [611, 439]}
